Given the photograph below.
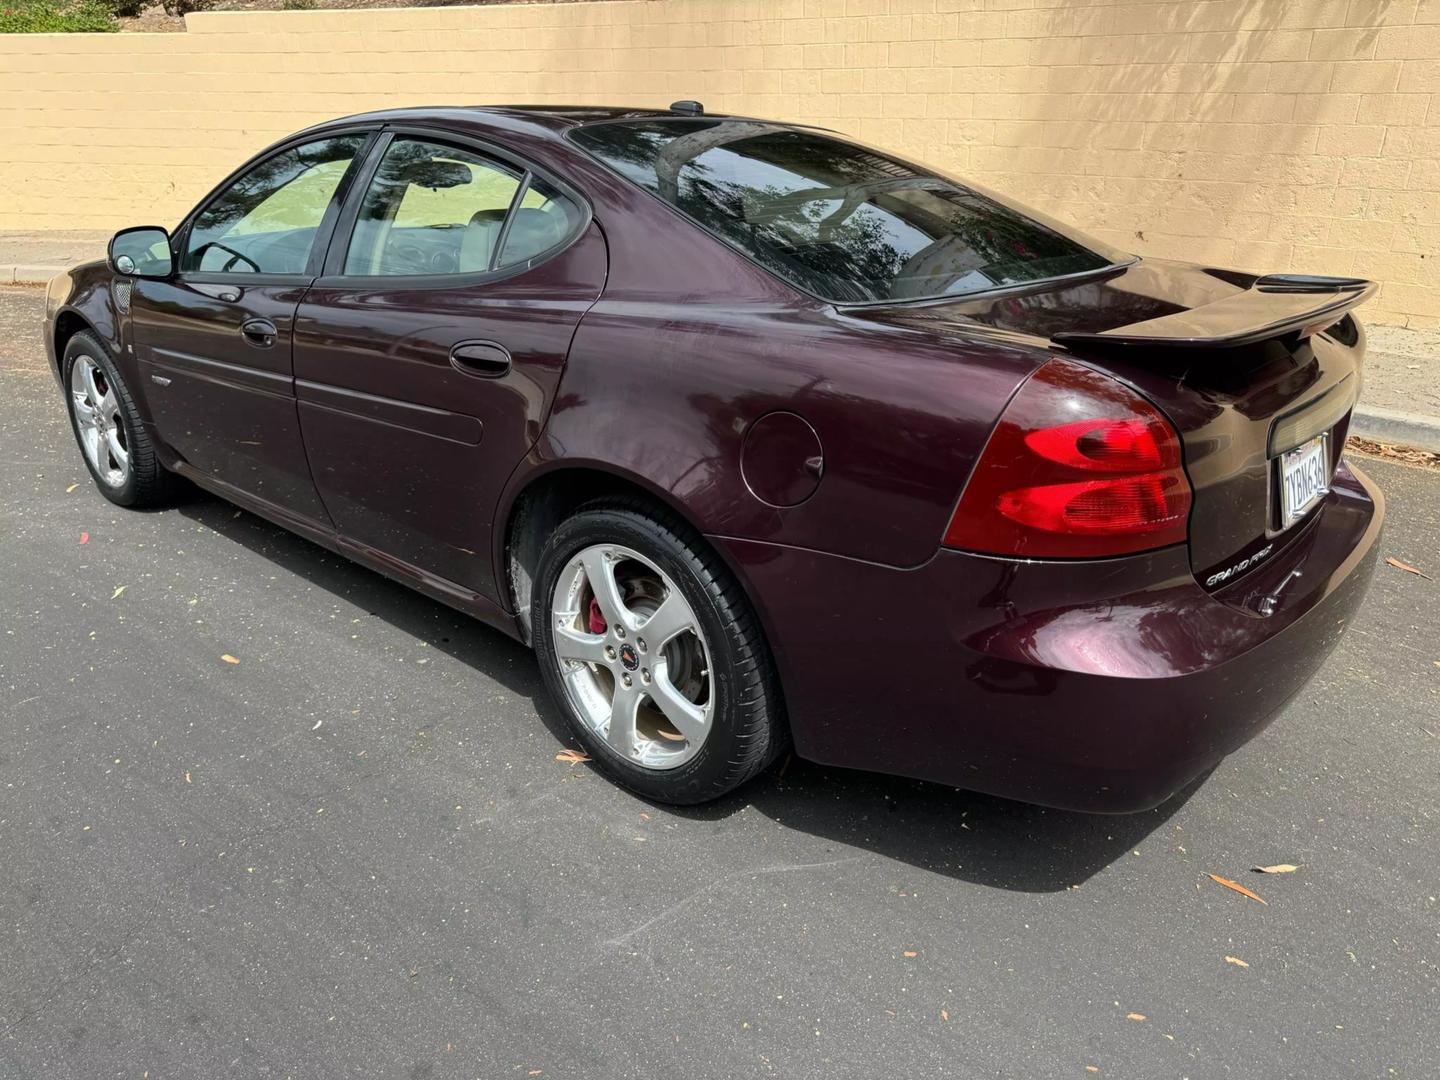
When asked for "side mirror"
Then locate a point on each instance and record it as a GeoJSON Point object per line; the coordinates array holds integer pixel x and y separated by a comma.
{"type": "Point", "coordinates": [143, 251]}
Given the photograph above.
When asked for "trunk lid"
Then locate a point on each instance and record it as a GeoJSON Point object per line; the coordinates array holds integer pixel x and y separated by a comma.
{"type": "Point", "coordinates": [1246, 368]}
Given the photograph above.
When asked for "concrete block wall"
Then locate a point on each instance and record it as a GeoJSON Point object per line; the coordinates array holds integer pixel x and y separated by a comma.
{"type": "Point", "coordinates": [1264, 134]}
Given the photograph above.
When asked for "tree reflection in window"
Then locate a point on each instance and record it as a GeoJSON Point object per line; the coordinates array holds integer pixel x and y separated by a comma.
{"type": "Point", "coordinates": [266, 220]}
{"type": "Point", "coordinates": [839, 220]}
{"type": "Point", "coordinates": [431, 208]}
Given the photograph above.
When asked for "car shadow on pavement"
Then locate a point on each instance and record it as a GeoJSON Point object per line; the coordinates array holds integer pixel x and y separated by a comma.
{"type": "Point", "coordinates": [994, 842]}
{"type": "Point", "coordinates": [965, 835]}
{"type": "Point", "coordinates": [441, 627]}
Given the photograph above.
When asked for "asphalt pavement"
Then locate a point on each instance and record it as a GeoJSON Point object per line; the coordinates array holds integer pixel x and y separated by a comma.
{"type": "Point", "coordinates": [354, 854]}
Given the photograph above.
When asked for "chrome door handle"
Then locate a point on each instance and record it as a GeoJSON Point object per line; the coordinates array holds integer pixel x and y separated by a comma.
{"type": "Point", "coordinates": [258, 332]}
{"type": "Point", "coordinates": [484, 359]}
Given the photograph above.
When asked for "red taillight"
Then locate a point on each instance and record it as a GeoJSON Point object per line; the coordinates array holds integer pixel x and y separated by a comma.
{"type": "Point", "coordinates": [1080, 466]}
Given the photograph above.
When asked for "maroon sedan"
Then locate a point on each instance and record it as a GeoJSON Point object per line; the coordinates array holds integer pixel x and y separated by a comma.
{"type": "Point", "coordinates": [758, 436]}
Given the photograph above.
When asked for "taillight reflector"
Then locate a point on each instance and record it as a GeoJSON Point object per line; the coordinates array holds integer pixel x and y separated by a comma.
{"type": "Point", "coordinates": [1080, 466]}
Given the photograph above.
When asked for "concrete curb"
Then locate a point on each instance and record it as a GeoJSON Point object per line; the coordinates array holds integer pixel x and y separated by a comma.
{"type": "Point", "coordinates": [24, 274]}
{"type": "Point", "coordinates": [1397, 428]}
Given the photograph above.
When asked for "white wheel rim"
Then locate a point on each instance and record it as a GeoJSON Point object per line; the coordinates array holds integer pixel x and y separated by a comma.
{"type": "Point", "coordinates": [97, 418]}
{"type": "Point", "coordinates": [643, 684]}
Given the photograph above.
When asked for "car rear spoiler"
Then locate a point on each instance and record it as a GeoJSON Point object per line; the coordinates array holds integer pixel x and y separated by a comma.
{"type": "Point", "coordinates": [1274, 305]}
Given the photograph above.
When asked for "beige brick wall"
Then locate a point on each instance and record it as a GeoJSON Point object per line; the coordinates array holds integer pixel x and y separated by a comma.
{"type": "Point", "coordinates": [1263, 134]}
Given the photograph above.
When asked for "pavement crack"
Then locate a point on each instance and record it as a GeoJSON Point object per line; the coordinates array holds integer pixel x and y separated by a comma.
{"type": "Point", "coordinates": [96, 957]}
{"type": "Point", "coordinates": [720, 882]}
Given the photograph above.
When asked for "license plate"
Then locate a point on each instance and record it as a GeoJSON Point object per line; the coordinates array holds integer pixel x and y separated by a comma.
{"type": "Point", "coordinates": [1304, 479]}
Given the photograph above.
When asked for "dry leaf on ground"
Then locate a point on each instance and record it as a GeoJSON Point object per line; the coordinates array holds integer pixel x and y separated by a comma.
{"type": "Point", "coordinates": [571, 757]}
{"type": "Point", "coordinates": [1408, 454]}
{"type": "Point", "coordinates": [1136, 1016]}
{"type": "Point", "coordinates": [1409, 569]}
{"type": "Point", "coordinates": [229, 659]}
{"type": "Point", "coordinates": [1278, 868]}
{"type": "Point", "coordinates": [1235, 885]}
{"type": "Point", "coordinates": [1236, 961]}
{"type": "Point", "coordinates": [71, 488]}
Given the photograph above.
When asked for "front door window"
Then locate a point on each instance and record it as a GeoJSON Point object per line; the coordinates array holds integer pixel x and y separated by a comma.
{"type": "Point", "coordinates": [266, 221]}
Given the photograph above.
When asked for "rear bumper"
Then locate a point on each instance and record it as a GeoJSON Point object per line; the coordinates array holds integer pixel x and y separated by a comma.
{"type": "Point", "coordinates": [1101, 686]}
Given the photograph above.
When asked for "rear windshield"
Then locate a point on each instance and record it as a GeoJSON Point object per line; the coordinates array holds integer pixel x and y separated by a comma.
{"type": "Point", "coordinates": [839, 221]}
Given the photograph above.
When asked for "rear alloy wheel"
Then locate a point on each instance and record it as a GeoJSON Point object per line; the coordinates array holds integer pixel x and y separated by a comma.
{"type": "Point", "coordinates": [107, 425]}
{"type": "Point", "coordinates": [654, 655]}
{"type": "Point", "coordinates": [633, 658]}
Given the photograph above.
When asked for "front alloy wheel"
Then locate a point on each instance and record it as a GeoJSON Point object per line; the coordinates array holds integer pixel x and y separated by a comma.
{"type": "Point", "coordinates": [108, 427]}
{"type": "Point", "coordinates": [98, 423]}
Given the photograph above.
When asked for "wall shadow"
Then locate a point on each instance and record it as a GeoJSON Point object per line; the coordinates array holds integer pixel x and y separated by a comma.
{"type": "Point", "coordinates": [963, 835]}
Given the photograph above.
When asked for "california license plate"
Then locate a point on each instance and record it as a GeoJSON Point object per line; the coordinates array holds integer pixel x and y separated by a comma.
{"type": "Point", "coordinates": [1304, 479]}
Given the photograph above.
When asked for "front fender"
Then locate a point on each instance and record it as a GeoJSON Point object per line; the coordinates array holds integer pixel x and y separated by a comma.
{"type": "Point", "coordinates": [81, 299]}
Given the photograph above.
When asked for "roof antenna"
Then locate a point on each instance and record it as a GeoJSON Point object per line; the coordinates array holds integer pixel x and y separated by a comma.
{"type": "Point", "coordinates": [687, 108]}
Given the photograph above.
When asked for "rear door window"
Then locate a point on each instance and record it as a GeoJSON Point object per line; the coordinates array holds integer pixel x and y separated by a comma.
{"type": "Point", "coordinates": [432, 208]}
{"type": "Point", "coordinates": [543, 219]}
{"type": "Point", "coordinates": [838, 220]}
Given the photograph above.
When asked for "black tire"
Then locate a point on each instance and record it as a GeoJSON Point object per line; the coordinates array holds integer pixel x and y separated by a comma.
{"type": "Point", "coordinates": [747, 728]}
{"type": "Point", "coordinates": [148, 483]}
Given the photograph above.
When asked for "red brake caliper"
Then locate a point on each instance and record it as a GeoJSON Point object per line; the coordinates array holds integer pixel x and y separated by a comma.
{"type": "Point", "coordinates": [598, 625]}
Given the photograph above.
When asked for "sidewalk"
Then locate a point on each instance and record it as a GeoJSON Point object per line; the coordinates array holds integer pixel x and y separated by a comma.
{"type": "Point", "coordinates": [36, 257]}
{"type": "Point", "coordinates": [1400, 403]}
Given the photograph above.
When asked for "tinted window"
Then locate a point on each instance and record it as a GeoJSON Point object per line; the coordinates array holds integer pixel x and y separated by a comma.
{"type": "Point", "coordinates": [838, 220]}
{"type": "Point", "coordinates": [436, 209]}
{"type": "Point", "coordinates": [543, 219]}
{"type": "Point", "coordinates": [431, 209]}
{"type": "Point", "coordinates": [266, 221]}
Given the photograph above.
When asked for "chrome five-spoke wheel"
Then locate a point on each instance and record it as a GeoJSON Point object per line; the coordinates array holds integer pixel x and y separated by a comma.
{"type": "Point", "coordinates": [632, 656]}
{"type": "Point", "coordinates": [98, 420]}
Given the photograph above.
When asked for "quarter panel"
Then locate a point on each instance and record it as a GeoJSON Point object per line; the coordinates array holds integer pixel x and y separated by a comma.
{"type": "Point", "coordinates": [692, 343]}
{"type": "Point", "coordinates": [668, 391]}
